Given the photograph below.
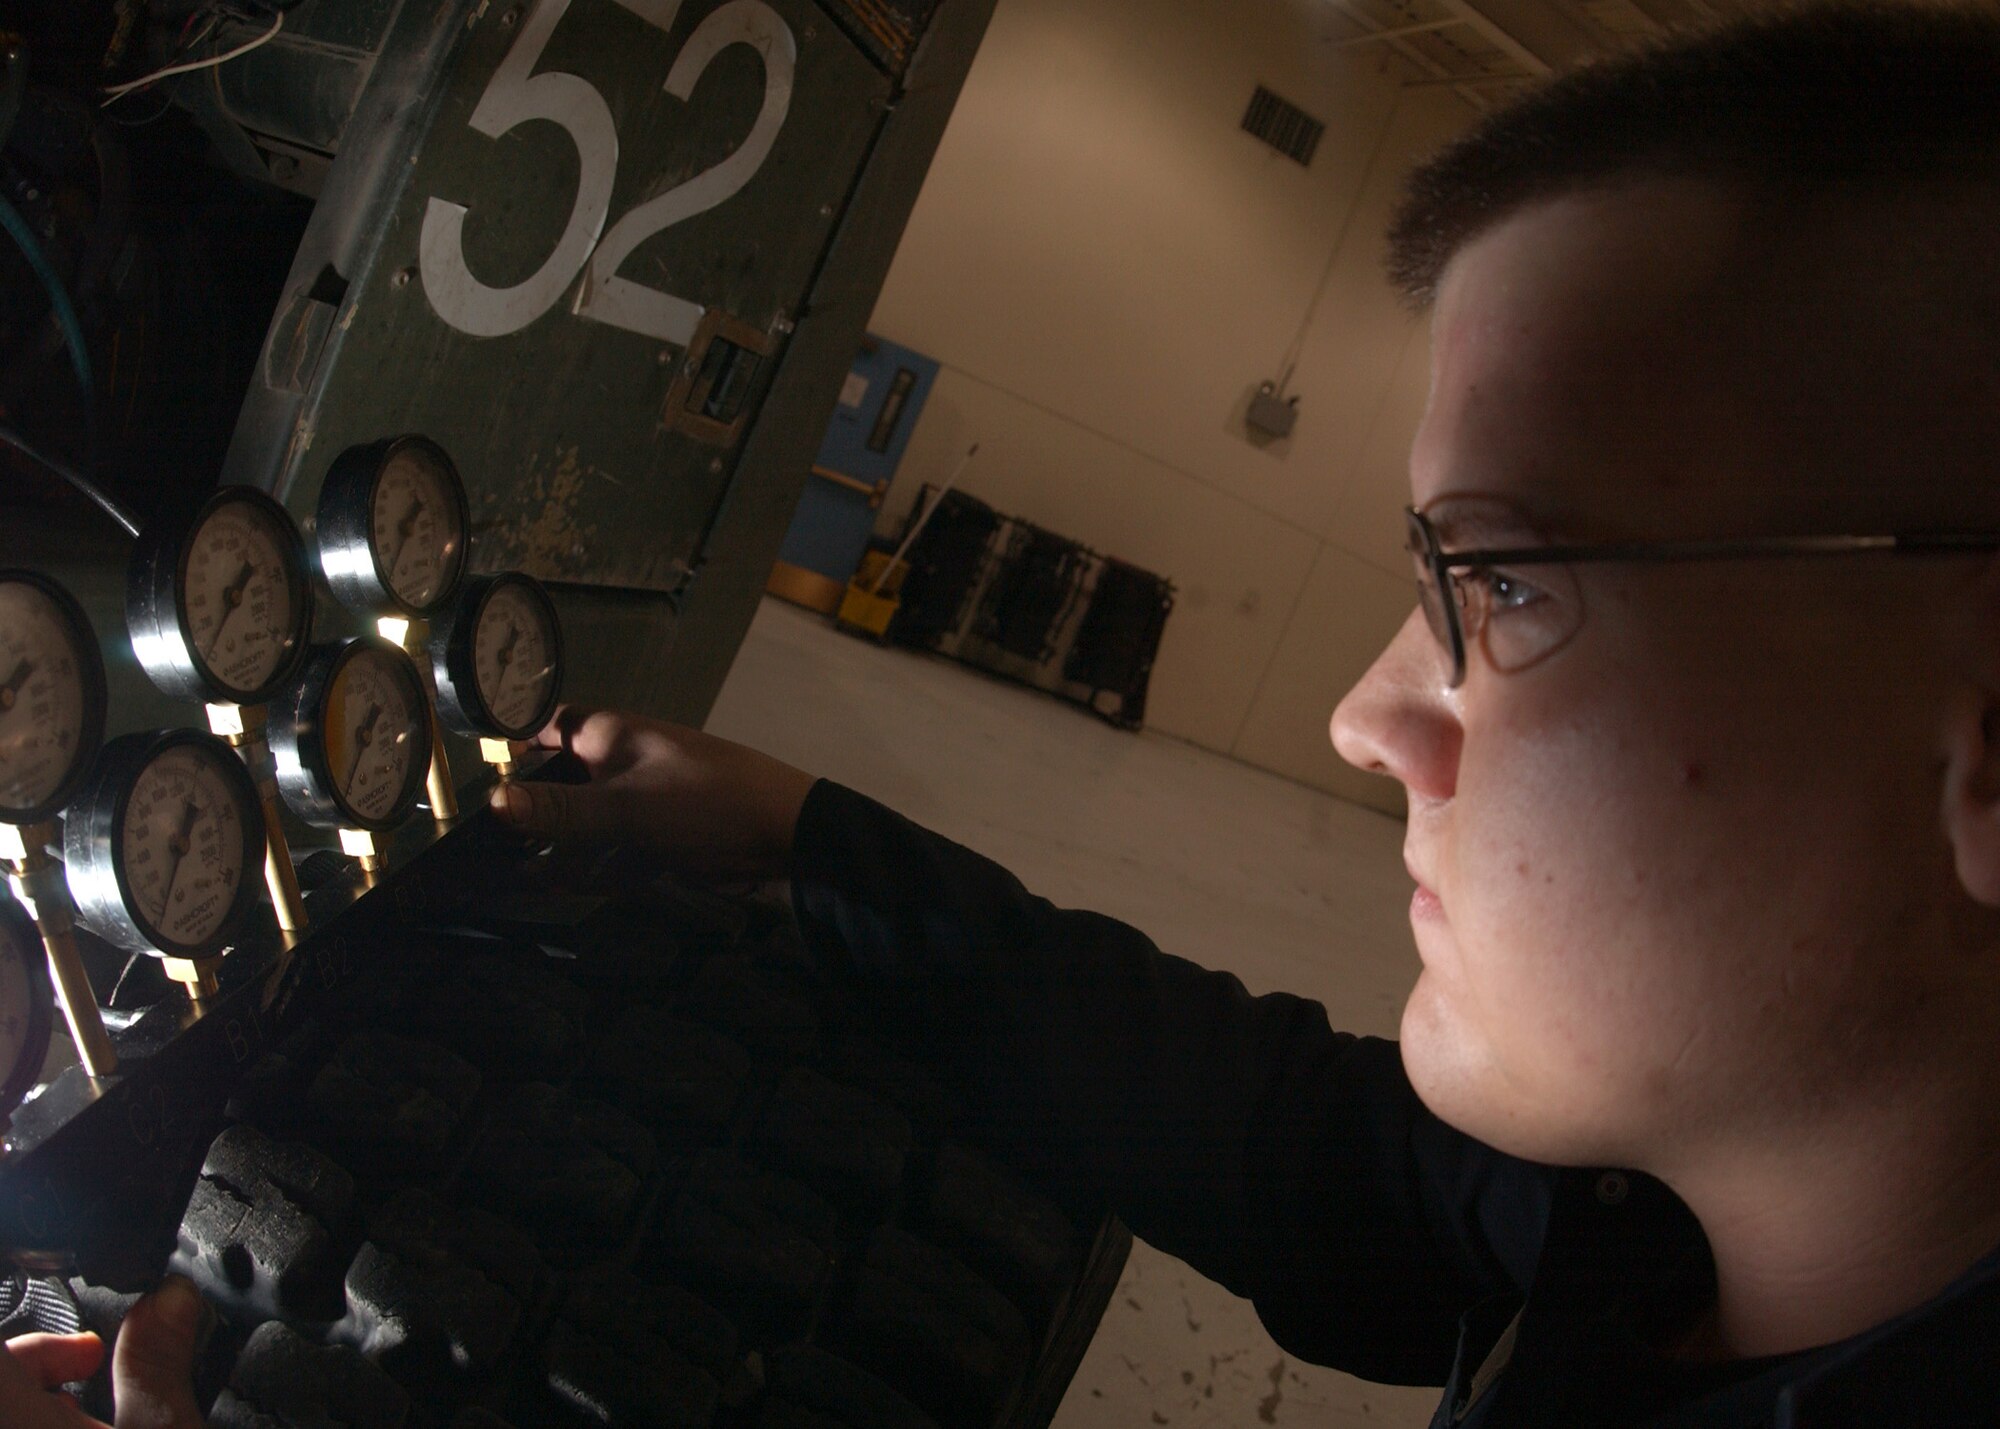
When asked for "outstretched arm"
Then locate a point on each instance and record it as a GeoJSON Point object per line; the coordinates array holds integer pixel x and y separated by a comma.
{"type": "Point", "coordinates": [1243, 1134]}
{"type": "Point", "coordinates": [1292, 1163]}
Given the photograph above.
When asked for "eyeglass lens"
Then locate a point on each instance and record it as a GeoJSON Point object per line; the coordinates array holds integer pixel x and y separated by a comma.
{"type": "Point", "coordinates": [1517, 617]}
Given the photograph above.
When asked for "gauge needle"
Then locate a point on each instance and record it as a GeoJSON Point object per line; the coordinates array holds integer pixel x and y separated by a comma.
{"type": "Point", "coordinates": [11, 691]}
{"type": "Point", "coordinates": [403, 529]}
{"type": "Point", "coordinates": [364, 735]}
{"type": "Point", "coordinates": [178, 846]}
{"type": "Point", "coordinates": [232, 598]}
{"type": "Point", "coordinates": [505, 655]}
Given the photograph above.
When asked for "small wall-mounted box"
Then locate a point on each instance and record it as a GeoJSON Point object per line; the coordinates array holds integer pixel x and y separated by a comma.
{"type": "Point", "coordinates": [1271, 415]}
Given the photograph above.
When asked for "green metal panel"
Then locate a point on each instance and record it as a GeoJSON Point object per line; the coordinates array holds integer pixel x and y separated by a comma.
{"type": "Point", "coordinates": [657, 533]}
{"type": "Point", "coordinates": [302, 89]}
{"type": "Point", "coordinates": [889, 30]}
{"type": "Point", "coordinates": [793, 421]}
{"type": "Point", "coordinates": [576, 467]}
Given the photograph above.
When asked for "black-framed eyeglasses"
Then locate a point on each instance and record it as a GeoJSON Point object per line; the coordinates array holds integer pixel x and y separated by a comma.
{"type": "Point", "coordinates": [1542, 612]}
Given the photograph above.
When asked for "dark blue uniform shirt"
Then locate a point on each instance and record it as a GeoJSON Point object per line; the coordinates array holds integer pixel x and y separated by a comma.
{"type": "Point", "coordinates": [1295, 1165]}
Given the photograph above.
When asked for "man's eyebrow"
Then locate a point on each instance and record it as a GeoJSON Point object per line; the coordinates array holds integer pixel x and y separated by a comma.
{"type": "Point", "coordinates": [1485, 522]}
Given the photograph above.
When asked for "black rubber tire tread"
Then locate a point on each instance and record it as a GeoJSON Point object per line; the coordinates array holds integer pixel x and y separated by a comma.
{"type": "Point", "coordinates": [624, 1381]}
{"type": "Point", "coordinates": [933, 1329]}
{"type": "Point", "coordinates": [438, 1294]}
{"type": "Point", "coordinates": [846, 1145]}
{"type": "Point", "coordinates": [684, 1081]}
{"type": "Point", "coordinates": [1002, 1228]}
{"type": "Point", "coordinates": [282, 1379]}
{"type": "Point", "coordinates": [259, 1235]}
{"type": "Point", "coordinates": [391, 1106]}
{"type": "Point", "coordinates": [568, 1168]}
{"type": "Point", "coordinates": [757, 1246]}
{"type": "Point", "coordinates": [509, 1017]}
{"type": "Point", "coordinates": [808, 1386]}
{"type": "Point", "coordinates": [756, 1009]}
{"type": "Point", "coordinates": [598, 1191]}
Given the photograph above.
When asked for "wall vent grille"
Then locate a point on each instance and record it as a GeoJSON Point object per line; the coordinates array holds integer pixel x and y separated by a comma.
{"type": "Point", "coordinates": [1283, 125]}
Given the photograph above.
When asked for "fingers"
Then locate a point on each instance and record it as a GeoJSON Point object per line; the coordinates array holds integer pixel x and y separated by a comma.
{"type": "Point", "coordinates": [589, 734]}
{"type": "Point", "coordinates": [57, 1359]}
{"type": "Point", "coordinates": [608, 742]}
{"type": "Point", "coordinates": [562, 812]}
{"type": "Point", "coordinates": [561, 728]}
{"type": "Point", "coordinates": [24, 1404]}
{"type": "Point", "coordinates": [152, 1368]}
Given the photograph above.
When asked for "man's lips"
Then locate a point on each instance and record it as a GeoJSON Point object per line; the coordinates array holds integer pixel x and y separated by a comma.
{"type": "Point", "coordinates": [1424, 904]}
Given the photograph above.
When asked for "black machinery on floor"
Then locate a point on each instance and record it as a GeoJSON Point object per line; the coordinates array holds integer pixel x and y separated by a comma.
{"type": "Point", "coordinates": [1010, 598]}
{"type": "Point", "coordinates": [530, 315]}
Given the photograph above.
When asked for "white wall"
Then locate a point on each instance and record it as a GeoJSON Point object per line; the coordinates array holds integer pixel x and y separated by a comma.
{"type": "Point", "coordinates": [1107, 266]}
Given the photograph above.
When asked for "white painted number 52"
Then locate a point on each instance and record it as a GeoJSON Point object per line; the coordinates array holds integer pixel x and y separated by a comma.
{"type": "Point", "coordinates": [516, 95]}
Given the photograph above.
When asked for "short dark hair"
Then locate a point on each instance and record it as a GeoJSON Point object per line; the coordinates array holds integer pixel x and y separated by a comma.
{"type": "Point", "coordinates": [1877, 96]}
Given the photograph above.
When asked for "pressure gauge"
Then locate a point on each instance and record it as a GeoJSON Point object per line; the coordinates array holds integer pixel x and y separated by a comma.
{"type": "Point", "coordinates": [392, 527]}
{"type": "Point", "coordinates": [220, 605]}
{"type": "Point", "coordinates": [51, 697]}
{"type": "Point", "coordinates": [26, 1007]}
{"type": "Point", "coordinates": [353, 740]}
{"type": "Point", "coordinates": [499, 661]}
{"type": "Point", "coordinates": [164, 847]}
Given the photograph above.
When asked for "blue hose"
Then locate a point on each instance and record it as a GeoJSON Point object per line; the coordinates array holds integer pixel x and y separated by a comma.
{"type": "Point", "coordinates": [65, 311]}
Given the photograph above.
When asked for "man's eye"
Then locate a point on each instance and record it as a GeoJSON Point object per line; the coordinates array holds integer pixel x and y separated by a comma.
{"type": "Point", "coordinates": [1507, 592]}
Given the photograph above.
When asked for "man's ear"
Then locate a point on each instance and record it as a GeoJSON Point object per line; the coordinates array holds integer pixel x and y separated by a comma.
{"type": "Point", "coordinates": [1972, 795]}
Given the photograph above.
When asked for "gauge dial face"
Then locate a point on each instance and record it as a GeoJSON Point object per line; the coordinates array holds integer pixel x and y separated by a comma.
{"type": "Point", "coordinates": [237, 595]}
{"type": "Point", "coordinates": [414, 525]}
{"type": "Point", "coordinates": [372, 723]}
{"type": "Point", "coordinates": [181, 845]}
{"type": "Point", "coordinates": [44, 700]}
{"type": "Point", "coordinates": [513, 656]}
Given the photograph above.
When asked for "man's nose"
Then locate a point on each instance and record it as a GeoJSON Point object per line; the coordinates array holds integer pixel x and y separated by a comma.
{"type": "Point", "coordinates": [1399, 721]}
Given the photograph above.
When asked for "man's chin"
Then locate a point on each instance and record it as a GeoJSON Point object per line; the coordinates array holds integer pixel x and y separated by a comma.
{"type": "Point", "coordinates": [1454, 1074]}
{"type": "Point", "coordinates": [1441, 1060]}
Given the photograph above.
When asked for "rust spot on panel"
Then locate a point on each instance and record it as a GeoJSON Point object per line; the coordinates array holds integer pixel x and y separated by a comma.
{"type": "Point", "coordinates": [537, 527]}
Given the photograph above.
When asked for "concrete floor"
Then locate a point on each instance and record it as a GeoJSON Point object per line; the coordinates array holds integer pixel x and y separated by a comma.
{"type": "Point", "coordinates": [1287, 887]}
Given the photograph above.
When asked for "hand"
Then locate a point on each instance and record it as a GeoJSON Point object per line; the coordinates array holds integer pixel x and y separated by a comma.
{"type": "Point", "coordinates": [152, 1370]}
{"type": "Point", "coordinates": [703, 805]}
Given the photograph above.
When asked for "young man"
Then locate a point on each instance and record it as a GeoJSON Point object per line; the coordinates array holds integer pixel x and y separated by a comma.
{"type": "Point", "coordinates": [1696, 1114]}
{"type": "Point", "coordinates": [1695, 1119]}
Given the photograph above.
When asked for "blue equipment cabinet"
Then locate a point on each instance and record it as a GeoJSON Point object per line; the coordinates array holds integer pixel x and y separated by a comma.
{"type": "Point", "coordinates": [885, 393]}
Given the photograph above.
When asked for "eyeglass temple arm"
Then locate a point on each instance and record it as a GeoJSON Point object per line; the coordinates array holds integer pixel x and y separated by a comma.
{"type": "Point", "coordinates": [1916, 543]}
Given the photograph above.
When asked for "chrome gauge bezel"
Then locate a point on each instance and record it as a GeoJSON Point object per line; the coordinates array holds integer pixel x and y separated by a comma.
{"type": "Point", "coordinates": [90, 671]}
{"type": "Point", "coordinates": [94, 839]}
{"type": "Point", "coordinates": [19, 938]}
{"type": "Point", "coordinates": [156, 607]}
{"type": "Point", "coordinates": [298, 738]}
{"type": "Point", "coordinates": [345, 528]}
{"type": "Point", "coordinates": [454, 651]}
